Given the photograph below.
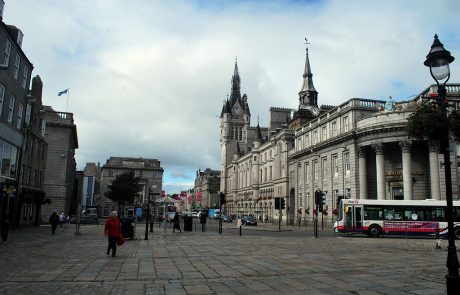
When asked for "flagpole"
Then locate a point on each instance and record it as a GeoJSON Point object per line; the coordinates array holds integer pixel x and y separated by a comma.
{"type": "Point", "coordinates": [68, 93]}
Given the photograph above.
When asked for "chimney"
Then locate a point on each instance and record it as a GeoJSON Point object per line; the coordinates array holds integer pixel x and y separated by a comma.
{"type": "Point", "coordinates": [2, 4]}
{"type": "Point", "coordinates": [37, 87]}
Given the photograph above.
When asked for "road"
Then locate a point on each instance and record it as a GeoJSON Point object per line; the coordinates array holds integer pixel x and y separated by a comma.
{"type": "Point", "coordinates": [261, 261]}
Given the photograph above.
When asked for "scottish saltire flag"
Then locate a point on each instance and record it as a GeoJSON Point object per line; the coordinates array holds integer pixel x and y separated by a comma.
{"type": "Point", "coordinates": [63, 92]}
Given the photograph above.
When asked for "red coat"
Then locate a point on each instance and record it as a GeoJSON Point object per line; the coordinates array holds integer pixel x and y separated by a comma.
{"type": "Point", "coordinates": [112, 227]}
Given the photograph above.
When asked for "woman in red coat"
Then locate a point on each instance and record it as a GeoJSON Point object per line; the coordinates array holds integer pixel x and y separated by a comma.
{"type": "Point", "coordinates": [112, 229]}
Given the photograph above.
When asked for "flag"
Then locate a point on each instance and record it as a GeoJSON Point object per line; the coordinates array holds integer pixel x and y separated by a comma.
{"type": "Point", "coordinates": [199, 197]}
{"type": "Point", "coordinates": [63, 92]}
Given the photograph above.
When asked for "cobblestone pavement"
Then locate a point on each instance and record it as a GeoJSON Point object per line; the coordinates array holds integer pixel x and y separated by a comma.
{"type": "Point", "coordinates": [35, 262]}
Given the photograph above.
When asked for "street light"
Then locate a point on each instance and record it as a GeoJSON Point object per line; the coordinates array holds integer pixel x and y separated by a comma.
{"type": "Point", "coordinates": [438, 60]}
{"type": "Point", "coordinates": [148, 215]}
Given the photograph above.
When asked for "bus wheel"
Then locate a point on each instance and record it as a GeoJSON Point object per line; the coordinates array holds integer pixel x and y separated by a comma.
{"type": "Point", "coordinates": [457, 233]}
{"type": "Point", "coordinates": [374, 231]}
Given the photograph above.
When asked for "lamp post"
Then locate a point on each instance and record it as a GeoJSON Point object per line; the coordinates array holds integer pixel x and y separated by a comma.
{"type": "Point", "coordinates": [438, 60]}
{"type": "Point", "coordinates": [147, 215]}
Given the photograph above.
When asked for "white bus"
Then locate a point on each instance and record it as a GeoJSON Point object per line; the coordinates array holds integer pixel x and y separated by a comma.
{"type": "Point", "coordinates": [379, 217]}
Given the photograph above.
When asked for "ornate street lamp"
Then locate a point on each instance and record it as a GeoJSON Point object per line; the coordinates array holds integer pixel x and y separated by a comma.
{"type": "Point", "coordinates": [438, 60]}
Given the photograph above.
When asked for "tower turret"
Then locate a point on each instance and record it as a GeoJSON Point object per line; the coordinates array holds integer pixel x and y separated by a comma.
{"type": "Point", "coordinates": [308, 96]}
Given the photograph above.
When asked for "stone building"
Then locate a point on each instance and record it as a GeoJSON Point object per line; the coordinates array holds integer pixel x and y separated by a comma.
{"type": "Point", "coordinates": [207, 184]}
{"type": "Point", "coordinates": [15, 73]}
{"type": "Point", "coordinates": [33, 158]}
{"type": "Point", "coordinates": [150, 173]}
{"type": "Point", "coordinates": [62, 139]}
{"type": "Point", "coordinates": [358, 149]}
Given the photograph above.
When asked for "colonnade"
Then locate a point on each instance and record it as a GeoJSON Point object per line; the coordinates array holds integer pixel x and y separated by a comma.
{"type": "Point", "coordinates": [406, 171]}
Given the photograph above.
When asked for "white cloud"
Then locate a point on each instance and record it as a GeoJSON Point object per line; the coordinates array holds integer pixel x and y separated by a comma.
{"type": "Point", "coordinates": [147, 78]}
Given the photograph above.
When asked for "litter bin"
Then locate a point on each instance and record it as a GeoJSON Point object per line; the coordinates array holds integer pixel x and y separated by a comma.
{"type": "Point", "coordinates": [127, 227]}
{"type": "Point", "coordinates": [188, 223]}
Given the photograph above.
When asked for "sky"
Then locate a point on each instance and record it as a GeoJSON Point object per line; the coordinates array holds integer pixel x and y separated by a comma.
{"type": "Point", "coordinates": [148, 78]}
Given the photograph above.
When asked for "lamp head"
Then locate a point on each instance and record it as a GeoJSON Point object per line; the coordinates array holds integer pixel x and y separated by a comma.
{"type": "Point", "coordinates": [438, 60]}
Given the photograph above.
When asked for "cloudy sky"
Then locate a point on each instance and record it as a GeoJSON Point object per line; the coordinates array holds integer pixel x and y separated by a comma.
{"type": "Point", "coordinates": [147, 78]}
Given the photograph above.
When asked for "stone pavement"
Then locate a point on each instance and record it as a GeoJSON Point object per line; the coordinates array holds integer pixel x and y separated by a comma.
{"type": "Point", "coordinates": [35, 262]}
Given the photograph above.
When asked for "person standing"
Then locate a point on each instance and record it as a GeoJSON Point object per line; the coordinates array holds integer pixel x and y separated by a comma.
{"type": "Point", "coordinates": [5, 226]}
{"type": "Point", "coordinates": [61, 219]}
{"type": "Point", "coordinates": [112, 230]}
{"type": "Point", "coordinates": [176, 221]}
{"type": "Point", "coordinates": [203, 222]}
{"type": "Point", "coordinates": [54, 220]}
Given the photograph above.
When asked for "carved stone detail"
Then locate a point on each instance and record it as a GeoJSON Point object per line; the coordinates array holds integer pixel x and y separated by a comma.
{"type": "Point", "coordinates": [378, 147]}
{"type": "Point", "coordinates": [405, 146]}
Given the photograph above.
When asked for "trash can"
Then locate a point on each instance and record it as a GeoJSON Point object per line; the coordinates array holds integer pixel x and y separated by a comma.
{"type": "Point", "coordinates": [188, 223]}
{"type": "Point", "coordinates": [127, 227]}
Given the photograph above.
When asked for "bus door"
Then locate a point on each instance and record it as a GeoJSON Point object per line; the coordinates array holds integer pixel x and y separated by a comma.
{"type": "Point", "coordinates": [353, 217]}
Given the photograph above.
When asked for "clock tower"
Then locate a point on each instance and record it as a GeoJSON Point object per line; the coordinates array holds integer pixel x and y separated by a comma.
{"type": "Point", "coordinates": [235, 121]}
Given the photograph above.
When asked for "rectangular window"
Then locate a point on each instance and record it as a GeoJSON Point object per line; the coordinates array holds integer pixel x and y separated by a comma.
{"type": "Point", "coordinates": [11, 108]}
{"type": "Point", "coordinates": [346, 161]}
{"type": "Point", "coordinates": [28, 113]}
{"type": "Point", "coordinates": [16, 66]}
{"type": "Point", "coordinates": [324, 133]}
{"type": "Point", "coordinates": [6, 158]}
{"type": "Point", "coordinates": [232, 135]}
{"type": "Point", "coordinates": [299, 144]}
{"type": "Point", "coordinates": [110, 173]}
{"type": "Point", "coordinates": [6, 58]}
{"type": "Point", "coordinates": [20, 111]}
{"type": "Point", "coordinates": [334, 128]}
{"type": "Point", "coordinates": [346, 126]}
{"type": "Point", "coordinates": [240, 134]}
{"type": "Point", "coordinates": [335, 166]}
{"type": "Point", "coordinates": [307, 140]}
{"type": "Point", "coordinates": [315, 169]}
{"type": "Point", "coordinates": [315, 137]}
{"type": "Point", "coordinates": [323, 168]}
{"type": "Point", "coordinates": [2, 95]}
{"type": "Point", "coordinates": [307, 173]}
{"type": "Point", "coordinates": [25, 75]}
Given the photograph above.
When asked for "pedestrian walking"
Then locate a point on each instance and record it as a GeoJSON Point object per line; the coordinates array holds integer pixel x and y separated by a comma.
{"type": "Point", "coordinates": [112, 230]}
{"type": "Point", "coordinates": [67, 220]}
{"type": "Point", "coordinates": [5, 226]}
{"type": "Point", "coordinates": [54, 220]}
{"type": "Point", "coordinates": [176, 221]}
{"type": "Point", "coordinates": [203, 222]}
{"type": "Point", "coordinates": [61, 219]}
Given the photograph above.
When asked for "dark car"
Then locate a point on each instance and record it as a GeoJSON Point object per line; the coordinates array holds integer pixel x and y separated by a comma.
{"type": "Point", "coordinates": [248, 220]}
{"type": "Point", "coordinates": [227, 218]}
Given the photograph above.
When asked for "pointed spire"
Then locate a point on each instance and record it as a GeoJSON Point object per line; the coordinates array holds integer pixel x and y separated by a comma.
{"type": "Point", "coordinates": [308, 96]}
{"type": "Point", "coordinates": [236, 90]}
{"type": "Point", "coordinates": [307, 75]}
{"type": "Point", "coordinates": [258, 132]}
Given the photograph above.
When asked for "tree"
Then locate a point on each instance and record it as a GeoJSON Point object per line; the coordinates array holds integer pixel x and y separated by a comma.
{"type": "Point", "coordinates": [428, 121]}
{"type": "Point", "coordinates": [123, 189]}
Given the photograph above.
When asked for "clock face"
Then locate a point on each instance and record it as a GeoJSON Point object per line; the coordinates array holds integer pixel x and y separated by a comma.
{"type": "Point", "coordinates": [236, 110]}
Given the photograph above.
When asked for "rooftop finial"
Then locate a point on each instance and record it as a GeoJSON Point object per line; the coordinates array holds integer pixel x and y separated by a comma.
{"type": "Point", "coordinates": [306, 43]}
{"type": "Point", "coordinates": [257, 119]}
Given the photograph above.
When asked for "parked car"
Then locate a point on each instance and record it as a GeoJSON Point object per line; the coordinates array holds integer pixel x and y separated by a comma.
{"type": "Point", "coordinates": [248, 220]}
{"type": "Point", "coordinates": [227, 218]}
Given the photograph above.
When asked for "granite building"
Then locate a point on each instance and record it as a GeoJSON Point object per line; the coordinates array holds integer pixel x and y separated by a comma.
{"type": "Point", "coordinates": [207, 186]}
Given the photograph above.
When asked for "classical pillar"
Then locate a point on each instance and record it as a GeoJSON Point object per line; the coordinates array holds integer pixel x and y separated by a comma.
{"type": "Point", "coordinates": [434, 171]}
{"type": "Point", "coordinates": [379, 160]}
{"type": "Point", "coordinates": [407, 169]}
{"type": "Point", "coordinates": [362, 173]}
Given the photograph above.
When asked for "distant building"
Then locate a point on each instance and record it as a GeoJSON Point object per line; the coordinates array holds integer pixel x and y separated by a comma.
{"type": "Point", "coordinates": [61, 136]}
{"type": "Point", "coordinates": [15, 73]}
{"type": "Point", "coordinates": [207, 188]}
{"type": "Point", "coordinates": [91, 189]}
{"type": "Point", "coordinates": [151, 177]}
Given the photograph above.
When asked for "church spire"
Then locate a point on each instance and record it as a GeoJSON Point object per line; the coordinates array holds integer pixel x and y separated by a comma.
{"type": "Point", "coordinates": [236, 90]}
{"type": "Point", "coordinates": [308, 96]}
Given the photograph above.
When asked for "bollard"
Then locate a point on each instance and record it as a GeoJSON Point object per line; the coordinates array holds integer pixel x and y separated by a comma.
{"type": "Point", "coordinates": [151, 226]}
{"type": "Point", "coordinates": [240, 230]}
{"type": "Point", "coordinates": [438, 238]}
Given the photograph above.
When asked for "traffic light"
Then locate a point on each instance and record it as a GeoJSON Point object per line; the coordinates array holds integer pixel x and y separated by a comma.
{"type": "Point", "coordinates": [283, 203]}
{"type": "Point", "coordinates": [222, 198]}
{"type": "Point", "coordinates": [323, 201]}
{"type": "Point", "coordinates": [277, 203]}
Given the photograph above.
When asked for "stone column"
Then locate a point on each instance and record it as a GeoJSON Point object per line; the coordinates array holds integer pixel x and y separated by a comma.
{"type": "Point", "coordinates": [380, 163]}
{"type": "Point", "coordinates": [407, 169]}
{"type": "Point", "coordinates": [434, 171]}
{"type": "Point", "coordinates": [362, 174]}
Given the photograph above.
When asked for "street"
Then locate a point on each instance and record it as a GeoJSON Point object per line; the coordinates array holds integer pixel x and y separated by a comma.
{"type": "Point", "coordinates": [289, 262]}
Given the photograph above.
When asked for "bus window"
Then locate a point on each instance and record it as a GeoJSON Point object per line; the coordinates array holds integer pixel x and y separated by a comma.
{"type": "Point", "coordinates": [373, 213]}
{"type": "Point", "coordinates": [393, 213]}
{"type": "Point", "coordinates": [456, 214]}
{"type": "Point", "coordinates": [414, 214]}
{"type": "Point", "coordinates": [435, 214]}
